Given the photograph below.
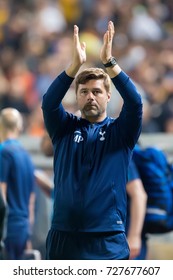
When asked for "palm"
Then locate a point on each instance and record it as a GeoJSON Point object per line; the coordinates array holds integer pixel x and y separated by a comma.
{"type": "Point", "coordinates": [106, 50]}
{"type": "Point", "coordinates": [79, 48]}
{"type": "Point", "coordinates": [82, 52]}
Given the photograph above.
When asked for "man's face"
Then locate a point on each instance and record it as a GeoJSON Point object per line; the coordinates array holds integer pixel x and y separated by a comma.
{"type": "Point", "coordinates": [92, 99]}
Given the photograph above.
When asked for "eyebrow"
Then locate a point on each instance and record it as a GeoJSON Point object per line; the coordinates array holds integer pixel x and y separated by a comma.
{"type": "Point", "coordinates": [95, 88]}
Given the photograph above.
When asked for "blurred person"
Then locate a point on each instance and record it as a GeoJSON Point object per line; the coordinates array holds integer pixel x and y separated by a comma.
{"type": "Point", "coordinates": [55, 22]}
{"type": "Point", "coordinates": [35, 48]}
{"type": "Point", "coordinates": [103, 11]}
{"type": "Point", "coordinates": [91, 157]}
{"type": "Point", "coordinates": [17, 184]}
{"type": "Point", "coordinates": [4, 88]}
{"type": "Point", "coordinates": [156, 173]}
{"type": "Point", "coordinates": [67, 7]}
{"type": "Point", "coordinates": [143, 26]}
{"type": "Point", "coordinates": [137, 201]}
{"type": "Point", "coordinates": [2, 223]}
{"type": "Point", "coordinates": [23, 84]}
{"type": "Point", "coordinates": [18, 85]}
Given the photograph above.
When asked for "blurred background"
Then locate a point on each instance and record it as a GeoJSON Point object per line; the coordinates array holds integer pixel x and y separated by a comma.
{"type": "Point", "coordinates": [35, 45]}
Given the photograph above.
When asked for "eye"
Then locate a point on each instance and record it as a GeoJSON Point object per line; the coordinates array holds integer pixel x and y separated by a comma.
{"type": "Point", "coordinates": [96, 91]}
{"type": "Point", "coordinates": [83, 92]}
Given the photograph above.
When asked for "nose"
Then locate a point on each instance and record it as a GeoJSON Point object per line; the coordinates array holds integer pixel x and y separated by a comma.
{"type": "Point", "coordinates": [90, 95]}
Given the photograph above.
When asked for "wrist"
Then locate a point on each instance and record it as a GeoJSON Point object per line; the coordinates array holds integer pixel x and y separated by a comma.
{"type": "Point", "coordinates": [111, 62]}
{"type": "Point", "coordinates": [72, 70]}
{"type": "Point", "coordinates": [104, 61]}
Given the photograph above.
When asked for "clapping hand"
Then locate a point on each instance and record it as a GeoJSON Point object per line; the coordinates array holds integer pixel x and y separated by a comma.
{"type": "Point", "coordinates": [106, 50]}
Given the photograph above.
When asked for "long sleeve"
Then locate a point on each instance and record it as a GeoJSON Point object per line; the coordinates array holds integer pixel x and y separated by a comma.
{"type": "Point", "coordinates": [57, 90]}
{"type": "Point", "coordinates": [52, 107]}
{"type": "Point", "coordinates": [130, 118]}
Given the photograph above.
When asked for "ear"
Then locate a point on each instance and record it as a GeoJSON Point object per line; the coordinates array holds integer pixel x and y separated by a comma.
{"type": "Point", "coordinates": [109, 96]}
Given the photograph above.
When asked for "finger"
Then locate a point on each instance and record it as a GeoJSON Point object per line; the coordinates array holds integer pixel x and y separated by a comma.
{"type": "Point", "coordinates": [111, 28]}
{"type": "Point", "coordinates": [107, 37]}
{"type": "Point", "coordinates": [76, 29]}
{"type": "Point", "coordinates": [76, 33]}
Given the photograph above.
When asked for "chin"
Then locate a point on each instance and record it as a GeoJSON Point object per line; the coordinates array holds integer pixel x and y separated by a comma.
{"type": "Point", "coordinates": [92, 113]}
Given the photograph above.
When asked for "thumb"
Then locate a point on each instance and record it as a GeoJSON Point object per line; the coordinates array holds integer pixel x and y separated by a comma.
{"type": "Point", "coordinates": [83, 45]}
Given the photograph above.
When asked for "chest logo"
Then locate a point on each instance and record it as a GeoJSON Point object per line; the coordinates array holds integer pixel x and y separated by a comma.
{"type": "Point", "coordinates": [102, 133]}
{"type": "Point", "coordinates": [78, 137]}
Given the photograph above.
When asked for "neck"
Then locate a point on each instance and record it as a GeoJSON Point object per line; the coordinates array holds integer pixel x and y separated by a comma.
{"type": "Point", "coordinates": [94, 119]}
{"type": "Point", "coordinates": [8, 136]}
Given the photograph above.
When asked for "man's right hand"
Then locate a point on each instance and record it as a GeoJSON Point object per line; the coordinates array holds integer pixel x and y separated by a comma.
{"type": "Point", "coordinates": [79, 54]}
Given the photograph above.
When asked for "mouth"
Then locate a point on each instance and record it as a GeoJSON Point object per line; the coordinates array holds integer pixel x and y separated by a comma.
{"type": "Point", "coordinates": [90, 107]}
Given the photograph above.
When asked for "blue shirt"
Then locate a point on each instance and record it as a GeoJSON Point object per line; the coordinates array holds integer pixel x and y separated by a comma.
{"type": "Point", "coordinates": [133, 174]}
{"type": "Point", "coordinates": [17, 171]}
{"type": "Point", "coordinates": [91, 160]}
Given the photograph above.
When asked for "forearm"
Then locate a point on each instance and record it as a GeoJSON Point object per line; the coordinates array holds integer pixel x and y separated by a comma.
{"type": "Point", "coordinates": [138, 200]}
{"type": "Point", "coordinates": [44, 182]}
{"type": "Point", "coordinates": [113, 71]}
{"type": "Point", "coordinates": [72, 70]}
{"type": "Point", "coordinates": [32, 208]}
{"type": "Point", "coordinates": [137, 215]}
{"type": "Point", "coordinates": [3, 187]}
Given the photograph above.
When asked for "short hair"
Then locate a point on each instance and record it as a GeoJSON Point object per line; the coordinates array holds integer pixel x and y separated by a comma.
{"type": "Point", "coordinates": [93, 74]}
{"type": "Point", "coordinates": [11, 119]}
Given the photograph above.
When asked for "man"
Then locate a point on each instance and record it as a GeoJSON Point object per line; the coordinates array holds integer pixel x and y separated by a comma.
{"type": "Point", "coordinates": [2, 220]}
{"type": "Point", "coordinates": [17, 184]}
{"type": "Point", "coordinates": [91, 157]}
{"type": "Point", "coordinates": [136, 210]}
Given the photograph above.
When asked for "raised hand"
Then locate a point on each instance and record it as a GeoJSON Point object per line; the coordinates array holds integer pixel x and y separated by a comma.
{"type": "Point", "coordinates": [106, 50]}
{"type": "Point", "coordinates": [79, 54]}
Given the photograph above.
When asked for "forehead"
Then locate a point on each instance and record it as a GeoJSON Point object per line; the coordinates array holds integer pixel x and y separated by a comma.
{"type": "Point", "coordinates": [92, 84]}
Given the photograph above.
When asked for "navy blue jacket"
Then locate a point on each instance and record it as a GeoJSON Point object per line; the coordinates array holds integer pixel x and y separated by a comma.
{"type": "Point", "coordinates": [91, 160]}
{"type": "Point", "coordinates": [17, 171]}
